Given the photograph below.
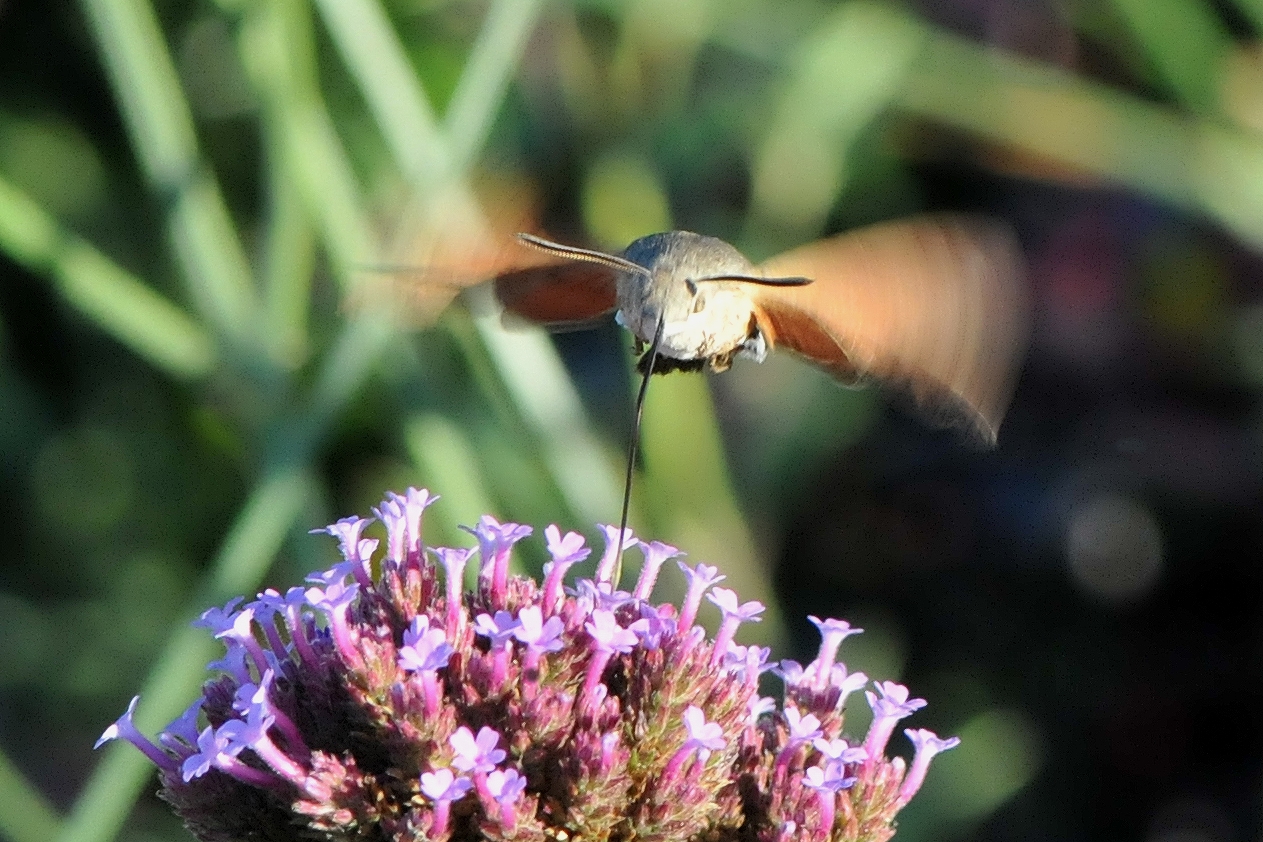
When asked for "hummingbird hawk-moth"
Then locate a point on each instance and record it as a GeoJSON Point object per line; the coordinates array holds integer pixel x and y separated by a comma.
{"type": "Point", "coordinates": [933, 305]}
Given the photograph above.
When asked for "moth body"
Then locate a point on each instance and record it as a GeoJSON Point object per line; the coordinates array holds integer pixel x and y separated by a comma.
{"type": "Point", "coordinates": [703, 319]}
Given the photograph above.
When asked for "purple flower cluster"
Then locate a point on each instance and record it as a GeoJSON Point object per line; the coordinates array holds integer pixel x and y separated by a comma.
{"type": "Point", "coordinates": [384, 702]}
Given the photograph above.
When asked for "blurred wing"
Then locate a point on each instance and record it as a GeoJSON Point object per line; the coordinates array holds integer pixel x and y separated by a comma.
{"type": "Point", "coordinates": [559, 295]}
{"type": "Point", "coordinates": [459, 242]}
{"type": "Point", "coordinates": [538, 287]}
{"type": "Point", "coordinates": [936, 304]}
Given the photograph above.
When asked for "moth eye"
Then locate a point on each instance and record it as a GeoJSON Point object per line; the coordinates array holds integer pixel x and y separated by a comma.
{"type": "Point", "coordinates": [699, 303]}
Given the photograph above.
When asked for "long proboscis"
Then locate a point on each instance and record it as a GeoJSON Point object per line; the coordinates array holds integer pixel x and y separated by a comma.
{"type": "Point", "coordinates": [634, 447]}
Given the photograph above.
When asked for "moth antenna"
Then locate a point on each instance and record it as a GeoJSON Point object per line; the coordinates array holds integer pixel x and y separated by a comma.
{"type": "Point", "coordinates": [635, 440]}
{"type": "Point", "coordinates": [587, 255]}
{"type": "Point", "coordinates": [753, 279]}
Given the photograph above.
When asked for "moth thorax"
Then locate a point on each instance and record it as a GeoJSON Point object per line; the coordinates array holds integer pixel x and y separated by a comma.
{"type": "Point", "coordinates": [702, 318]}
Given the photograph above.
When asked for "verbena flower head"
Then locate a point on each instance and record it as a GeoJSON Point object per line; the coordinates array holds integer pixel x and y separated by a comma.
{"type": "Point", "coordinates": [386, 703]}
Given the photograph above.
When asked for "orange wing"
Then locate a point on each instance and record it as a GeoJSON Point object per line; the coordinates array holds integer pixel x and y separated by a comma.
{"type": "Point", "coordinates": [540, 287]}
{"type": "Point", "coordinates": [559, 295]}
{"type": "Point", "coordinates": [937, 304]}
{"type": "Point", "coordinates": [469, 242]}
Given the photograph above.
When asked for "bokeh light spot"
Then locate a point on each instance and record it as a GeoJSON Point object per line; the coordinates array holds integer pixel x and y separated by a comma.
{"type": "Point", "coordinates": [1114, 548]}
{"type": "Point", "coordinates": [1000, 752]}
{"type": "Point", "coordinates": [623, 199]}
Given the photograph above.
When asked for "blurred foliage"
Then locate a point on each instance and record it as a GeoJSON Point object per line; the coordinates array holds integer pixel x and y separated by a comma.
{"type": "Point", "coordinates": [197, 364]}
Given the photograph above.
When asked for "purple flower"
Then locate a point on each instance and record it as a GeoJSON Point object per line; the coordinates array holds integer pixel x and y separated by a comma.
{"type": "Point", "coordinates": [845, 683]}
{"type": "Point", "coordinates": [216, 619]}
{"type": "Point", "coordinates": [347, 531]}
{"type": "Point", "coordinates": [538, 635]}
{"type": "Point", "coordinates": [654, 625]}
{"type": "Point", "coordinates": [636, 719]}
{"type": "Point", "coordinates": [894, 700]}
{"type": "Point", "coordinates": [832, 633]}
{"type": "Point", "coordinates": [703, 735]}
{"type": "Point", "coordinates": [927, 745]}
{"type": "Point", "coordinates": [703, 738]}
{"type": "Point", "coordinates": [827, 781]}
{"type": "Point", "coordinates": [592, 595]}
{"type": "Point", "coordinates": [442, 785]}
{"type": "Point", "coordinates": [183, 729]}
{"type": "Point", "coordinates": [839, 750]}
{"type": "Point", "coordinates": [500, 628]}
{"type": "Point", "coordinates": [746, 663]}
{"type": "Point", "coordinates": [125, 728]}
{"type": "Point", "coordinates": [233, 663]}
{"type": "Point", "coordinates": [656, 555]}
{"type": "Point", "coordinates": [495, 540]}
{"type": "Point", "coordinates": [892, 706]}
{"type": "Point", "coordinates": [700, 580]}
{"type": "Point", "coordinates": [566, 552]}
{"type": "Point", "coordinates": [802, 728]}
{"type": "Point", "coordinates": [829, 778]}
{"type": "Point", "coordinates": [608, 639]}
{"type": "Point", "coordinates": [335, 601]}
{"type": "Point", "coordinates": [476, 754]}
{"type": "Point", "coordinates": [613, 552]}
{"type": "Point", "coordinates": [506, 785]}
{"type": "Point", "coordinates": [257, 698]}
{"type": "Point", "coordinates": [401, 514]}
{"type": "Point", "coordinates": [335, 575]}
{"type": "Point", "coordinates": [453, 561]}
{"type": "Point", "coordinates": [608, 635]}
{"type": "Point", "coordinates": [211, 747]}
{"type": "Point", "coordinates": [267, 607]}
{"type": "Point", "coordinates": [734, 614]}
{"type": "Point", "coordinates": [241, 633]}
{"type": "Point", "coordinates": [424, 649]}
{"type": "Point", "coordinates": [569, 549]}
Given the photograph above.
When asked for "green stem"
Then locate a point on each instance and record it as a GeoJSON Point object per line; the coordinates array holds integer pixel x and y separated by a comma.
{"type": "Point", "coordinates": [25, 815]}
{"type": "Point", "coordinates": [500, 45]}
{"type": "Point", "coordinates": [157, 115]}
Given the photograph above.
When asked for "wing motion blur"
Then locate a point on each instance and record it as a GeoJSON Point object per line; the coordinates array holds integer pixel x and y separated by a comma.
{"type": "Point", "coordinates": [561, 296]}
{"type": "Point", "coordinates": [935, 304]}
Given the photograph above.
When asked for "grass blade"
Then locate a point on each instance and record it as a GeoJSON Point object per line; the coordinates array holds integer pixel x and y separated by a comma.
{"type": "Point", "coordinates": [118, 302]}
{"type": "Point", "coordinates": [25, 815]}
{"type": "Point", "coordinates": [500, 45]}
{"type": "Point", "coordinates": [157, 115]}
